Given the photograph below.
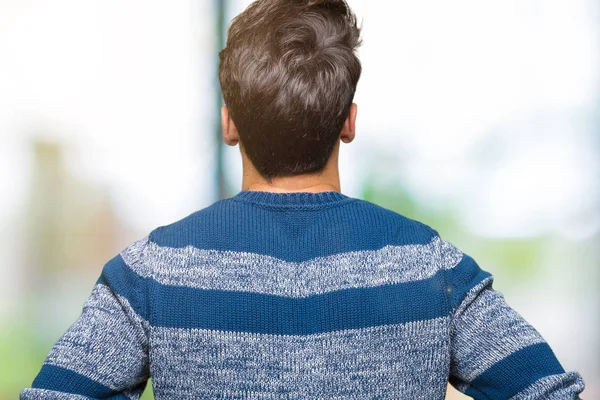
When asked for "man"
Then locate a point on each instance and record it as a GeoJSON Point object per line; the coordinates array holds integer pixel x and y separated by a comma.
{"type": "Point", "coordinates": [291, 289]}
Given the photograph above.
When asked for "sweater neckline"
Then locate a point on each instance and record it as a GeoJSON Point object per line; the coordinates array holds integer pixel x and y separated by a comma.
{"type": "Point", "coordinates": [293, 200]}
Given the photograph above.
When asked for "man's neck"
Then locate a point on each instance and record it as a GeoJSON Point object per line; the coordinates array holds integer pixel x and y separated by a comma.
{"type": "Point", "coordinates": [291, 187]}
{"type": "Point", "coordinates": [326, 181]}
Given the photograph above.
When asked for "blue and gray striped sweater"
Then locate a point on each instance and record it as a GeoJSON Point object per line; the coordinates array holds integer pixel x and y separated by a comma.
{"type": "Point", "coordinates": [298, 296]}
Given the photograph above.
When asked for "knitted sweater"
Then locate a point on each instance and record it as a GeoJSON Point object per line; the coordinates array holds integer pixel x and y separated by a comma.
{"type": "Point", "coordinates": [298, 295]}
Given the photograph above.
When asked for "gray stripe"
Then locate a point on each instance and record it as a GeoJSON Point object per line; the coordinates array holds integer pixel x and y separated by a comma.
{"type": "Point", "coordinates": [107, 343]}
{"type": "Point", "coordinates": [408, 360]}
{"type": "Point", "coordinates": [242, 271]}
{"type": "Point", "coordinates": [486, 330]}
{"type": "Point", "coordinates": [554, 387]}
{"type": "Point", "coordinates": [43, 394]}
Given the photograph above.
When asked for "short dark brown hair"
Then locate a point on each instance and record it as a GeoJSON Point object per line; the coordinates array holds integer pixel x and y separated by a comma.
{"type": "Point", "coordinates": [288, 76]}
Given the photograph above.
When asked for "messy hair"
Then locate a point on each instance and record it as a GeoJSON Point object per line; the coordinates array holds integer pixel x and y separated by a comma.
{"type": "Point", "coordinates": [288, 75]}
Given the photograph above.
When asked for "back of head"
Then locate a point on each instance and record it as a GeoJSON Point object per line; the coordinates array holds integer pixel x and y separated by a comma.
{"type": "Point", "coordinates": [288, 75]}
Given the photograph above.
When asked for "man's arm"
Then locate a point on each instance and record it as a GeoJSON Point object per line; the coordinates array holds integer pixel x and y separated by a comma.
{"type": "Point", "coordinates": [104, 354]}
{"type": "Point", "coordinates": [495, 352]}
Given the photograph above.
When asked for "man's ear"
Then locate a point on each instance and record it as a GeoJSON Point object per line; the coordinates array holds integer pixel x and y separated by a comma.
{"type": "Point", "coordinates": [230, 132]}
{"type": "Point", "coordinates": [349, 129]}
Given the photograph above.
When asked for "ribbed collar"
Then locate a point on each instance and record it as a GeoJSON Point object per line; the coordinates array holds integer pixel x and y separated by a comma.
{"type": "Point", "coordinates": [294, 200]}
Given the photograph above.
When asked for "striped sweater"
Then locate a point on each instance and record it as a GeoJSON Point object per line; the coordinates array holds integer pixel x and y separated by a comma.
{"type": "Point", "coordinates": [298, 295]}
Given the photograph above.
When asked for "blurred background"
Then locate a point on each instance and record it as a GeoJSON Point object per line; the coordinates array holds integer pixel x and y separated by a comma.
{"type": "Point", "coordinates": [479, 118]}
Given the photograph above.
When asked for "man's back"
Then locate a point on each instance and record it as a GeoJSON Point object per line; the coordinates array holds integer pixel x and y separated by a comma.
{"type": "Point", "coordinates": [299, 295]}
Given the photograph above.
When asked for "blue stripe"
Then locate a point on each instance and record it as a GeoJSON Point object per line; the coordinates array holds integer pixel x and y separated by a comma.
{"type": "Point", "coordinates": [462, 278]}
{"type": "Point", "coordinates": [263, 313]}
{"type": "Point", "coordinates": [64, 380]}
{"type": "Point", "coordinates": [124, 281]}
{"type": "Point", "coordinates": [292, 236]}
{"type": "Point", "coordinates": [514, 373]}
{"type": "Point", "coordinates": [349, 308]}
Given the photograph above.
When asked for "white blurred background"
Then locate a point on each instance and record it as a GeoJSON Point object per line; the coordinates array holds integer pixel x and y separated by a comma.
{"type": "Point", "coordinates": [479, 118]}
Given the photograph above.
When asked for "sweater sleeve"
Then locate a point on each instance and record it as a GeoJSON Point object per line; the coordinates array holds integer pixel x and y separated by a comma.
{"type": "Point", "coordinates": [495, 353]}
{"type": "Point", "coordinates": [104, 354]}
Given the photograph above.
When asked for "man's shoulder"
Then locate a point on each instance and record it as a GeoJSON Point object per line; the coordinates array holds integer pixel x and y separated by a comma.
{"type": "Point", "coordinates": [213, 220]}
{"type": "Point", "coordinates": [176, 234]}
{"type": "Point", "coordinates": [404, 226]}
